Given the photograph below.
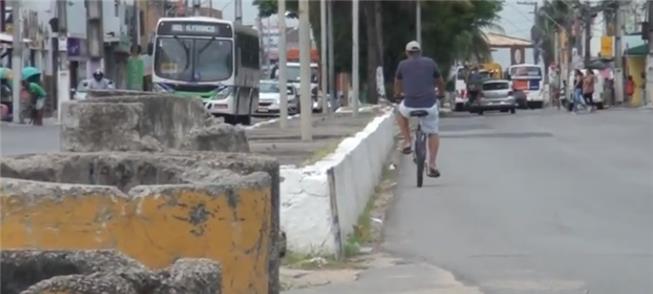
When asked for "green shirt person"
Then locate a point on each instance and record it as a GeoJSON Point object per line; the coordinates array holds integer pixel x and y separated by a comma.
{"type": "Point", "coordinates": [135, 70]}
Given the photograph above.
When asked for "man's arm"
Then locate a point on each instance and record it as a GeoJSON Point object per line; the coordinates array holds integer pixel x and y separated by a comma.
{"type": "Point", "coordinates": [397, 88]}
{"type": "Point", "coordinates": [439, 82]}
{"type": "Point", "coordinates": [397, 85]}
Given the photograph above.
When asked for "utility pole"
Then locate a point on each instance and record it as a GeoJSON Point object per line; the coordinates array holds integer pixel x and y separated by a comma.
{"type": "Point", "coordinates": [537, 51]}
{"type": "Point", "coordinates": [63, 73]}
{"type": "Point", "coordinates": [618, 56]}
{"type": "Point", "coordinates": [323, 56]}
{"type": "Point", "coordinates": [283, 79]}
{"type": "Point", "coordinates": [355, 56]}
{"type": "Point", "coordinates": [238, 14]}
{"type": "Point", "coordinates": [332, 74]}
{"type": "Point", "coordinates": [649, 59]}
{"type": "Point", "coordinates": [196, 7]}
{"type": "Point", "coordinates": [17, 59]}
{"type": "Point", "coordinates": [3, 9]}
{"type": "Point", "coordinates": [305, 68]}
{"type": "Point", "coordinates": [418, 18]}
{"type": "Point", "coordinates": [95, 35]}
{"type": "Point", "coordinates": [587, 22]}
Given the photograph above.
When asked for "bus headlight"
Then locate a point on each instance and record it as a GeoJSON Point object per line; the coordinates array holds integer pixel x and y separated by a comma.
{"type": "Point", "coordinates": [161, 88]}
{"type": "Point", "coordinates": [222, 93]}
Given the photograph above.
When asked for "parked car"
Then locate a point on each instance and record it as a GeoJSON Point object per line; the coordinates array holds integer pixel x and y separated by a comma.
{"type": "Point", "coordinates": [81, 91]}
{"type": "Point", "coordinates": [269, 100]}
{"type": "Point", "coordinates": [496, 95]}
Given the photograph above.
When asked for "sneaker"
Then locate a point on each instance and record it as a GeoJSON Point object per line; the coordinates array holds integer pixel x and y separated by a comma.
{"type": "Point", "coordinates": [433, 173]}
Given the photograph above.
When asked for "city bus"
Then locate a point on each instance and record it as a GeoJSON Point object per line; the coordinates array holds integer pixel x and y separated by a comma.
{"type": "Point", "coordinates": [528, 79]}
{"type": "Point", "coordinates": [211, 59]}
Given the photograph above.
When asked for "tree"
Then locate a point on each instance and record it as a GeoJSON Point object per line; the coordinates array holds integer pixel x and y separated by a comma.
{"type": "Point", "coordinates": [452, 31]}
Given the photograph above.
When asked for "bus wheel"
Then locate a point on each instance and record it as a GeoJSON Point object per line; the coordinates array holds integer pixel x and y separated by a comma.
{"type": "Point", "coordinates": [245, 120]}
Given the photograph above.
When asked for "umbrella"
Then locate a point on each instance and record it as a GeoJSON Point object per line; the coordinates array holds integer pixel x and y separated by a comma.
{"type": "Point", "coordinates": [5, 73]}
{"type": "Point", "coordinates": [29, 72]}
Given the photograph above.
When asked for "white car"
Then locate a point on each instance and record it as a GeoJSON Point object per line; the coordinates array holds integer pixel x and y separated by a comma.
{"type": "Point", "coordinates": [269, 100]}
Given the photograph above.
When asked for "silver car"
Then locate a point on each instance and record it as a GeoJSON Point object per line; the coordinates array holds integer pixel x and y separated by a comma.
{"type": "Point", "coordinates": [269, 99]}
{"type": "Point", "coordinates": [496, 95]}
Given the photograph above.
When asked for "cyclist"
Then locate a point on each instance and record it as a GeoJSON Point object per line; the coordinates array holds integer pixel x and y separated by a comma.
{"type": "Point", "coordinates": [98, 82]}
{"type": "Point", "coordinates": [415, 81]}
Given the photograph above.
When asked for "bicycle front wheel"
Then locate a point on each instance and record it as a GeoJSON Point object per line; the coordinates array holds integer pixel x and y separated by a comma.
{"type": "Point", "coordinates": [420, 173]}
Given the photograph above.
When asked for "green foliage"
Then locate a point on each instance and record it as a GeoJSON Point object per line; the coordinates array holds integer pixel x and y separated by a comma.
{"type": "Point", "coordinates": [451, 30]}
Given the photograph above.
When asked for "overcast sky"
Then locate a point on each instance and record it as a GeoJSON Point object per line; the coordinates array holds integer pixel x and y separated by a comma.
{"type": "Point", "coordinates": [516, 20]}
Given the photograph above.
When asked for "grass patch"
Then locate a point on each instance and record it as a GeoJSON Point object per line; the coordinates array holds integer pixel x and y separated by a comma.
{"type": "Point", "coordinates": [311, 262]}
{"type": "Point", "coordinates": [321, 153]}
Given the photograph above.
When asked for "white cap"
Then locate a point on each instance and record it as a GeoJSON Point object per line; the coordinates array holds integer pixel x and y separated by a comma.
{"type": "Point", "coordinates": [413, 46]}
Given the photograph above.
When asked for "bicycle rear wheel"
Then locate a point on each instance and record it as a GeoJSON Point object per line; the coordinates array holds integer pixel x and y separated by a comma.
{"type": "Point", "coordinates": [420, 155]}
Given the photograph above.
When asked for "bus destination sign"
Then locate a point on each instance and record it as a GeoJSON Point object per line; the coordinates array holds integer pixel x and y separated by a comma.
{"type": "Point", "coordinates": [195, 28]}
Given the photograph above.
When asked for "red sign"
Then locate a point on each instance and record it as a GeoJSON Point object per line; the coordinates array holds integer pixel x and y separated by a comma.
{"type": "Point", "coordinates": [520, 85]}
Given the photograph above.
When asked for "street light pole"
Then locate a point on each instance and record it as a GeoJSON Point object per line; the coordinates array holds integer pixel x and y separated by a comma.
{"type": "Point", "coordinates": [355, 56]}
{"type": "Point", "coordinates": [418, 18]}
{"type": "Point", "coordinates": [305, 64]}
{"type": "Point", "coordinates": [283, 111]}
{"type": "Point", "coordinates": [17, 59]}
{"type": "Point", "coordinates": [618, 59]}
{"type": "Point", "coordinates": [332, 74]}
{"type": "Point", "coordinates": [323, 55]}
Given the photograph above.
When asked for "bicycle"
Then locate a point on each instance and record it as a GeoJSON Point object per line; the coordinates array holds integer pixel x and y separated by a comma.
{"type": "Point", "coordinates": [419, 145]}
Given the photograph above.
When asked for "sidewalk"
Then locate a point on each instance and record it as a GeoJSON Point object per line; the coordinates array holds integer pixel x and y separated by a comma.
{"type": "Point", "coordinates": [286, 144]}
{"type": "Point", "coordinates": [387, 275]}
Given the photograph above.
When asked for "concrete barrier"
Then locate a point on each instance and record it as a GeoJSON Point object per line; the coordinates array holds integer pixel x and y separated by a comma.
{"type": "Point", "coordinates": [154, 207]}
{"type": "Point", "coordinates": [145, 122]}
{"type": "Point", "coordinates": [102, 271]}
{"type": "Point", "coordinates": [320, 203]}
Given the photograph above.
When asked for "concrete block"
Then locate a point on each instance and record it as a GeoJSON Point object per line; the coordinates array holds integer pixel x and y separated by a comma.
{"type": "Point", "coordinates": [102, 271]}
{"type": "Point", "coordinates": [153, 207]}
{"type": "Point", "coordinates": [145, 122]}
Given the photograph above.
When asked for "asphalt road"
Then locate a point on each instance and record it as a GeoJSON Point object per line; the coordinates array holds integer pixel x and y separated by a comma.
{"type": "Point", "coordinates": [538, 202]}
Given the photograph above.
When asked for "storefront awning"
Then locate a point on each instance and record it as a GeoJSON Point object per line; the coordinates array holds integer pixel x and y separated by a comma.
{"type": "Point", "coordinates": [640, 50]}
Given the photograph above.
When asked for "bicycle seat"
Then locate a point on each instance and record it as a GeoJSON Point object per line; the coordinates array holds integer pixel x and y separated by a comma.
{"type": "Point", "coordinates": [419, 113]}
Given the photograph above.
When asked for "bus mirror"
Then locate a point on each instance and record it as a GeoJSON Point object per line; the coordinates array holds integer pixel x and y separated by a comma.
{"type": "Point", "coordinates": [150, 49]}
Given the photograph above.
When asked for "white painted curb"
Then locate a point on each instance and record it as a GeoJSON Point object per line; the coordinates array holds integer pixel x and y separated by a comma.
{"type": "Point", "coordinates": [320, 203]}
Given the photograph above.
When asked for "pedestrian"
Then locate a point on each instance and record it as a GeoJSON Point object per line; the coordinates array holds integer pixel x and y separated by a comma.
{"type": "Point", "coordinates": [578, 92]}
{"type": "Point", "coordinates": [588, 89]}
{"type": "Point", "coordinates": [135, 70]}
{"type": "Point", "coordinates": [35, 95]}
{"type": "Point", "coordinates": [630, 89]}
{"type": "Point", "coordinates": [554, 87]}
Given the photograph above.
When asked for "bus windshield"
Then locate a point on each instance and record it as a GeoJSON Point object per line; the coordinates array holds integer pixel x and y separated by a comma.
{"type": "Point", "coordinates": [173, 59]}
{"type": "Point", "coordinates": [193, 59]}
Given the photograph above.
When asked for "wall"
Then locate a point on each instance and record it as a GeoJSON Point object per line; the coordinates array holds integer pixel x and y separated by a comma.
{"type": "Point", "coordinates": [145, 121]}
{"type": "Point", "coordinates": [229, 220]}
{"type": "Point", "coordinates": [318, 211]}
{"type": "Point", "coordinates": [636, 66]}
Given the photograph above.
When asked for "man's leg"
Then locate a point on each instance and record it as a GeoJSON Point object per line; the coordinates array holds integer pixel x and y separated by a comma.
{"type": "Point", "coordinates": [434, 145]}
{"type": "Point", "coordinates": [404, 126]}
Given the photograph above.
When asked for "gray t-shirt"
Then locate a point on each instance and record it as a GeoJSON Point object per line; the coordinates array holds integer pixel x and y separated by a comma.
{"type": "Point", "coordinates": [417, 75]}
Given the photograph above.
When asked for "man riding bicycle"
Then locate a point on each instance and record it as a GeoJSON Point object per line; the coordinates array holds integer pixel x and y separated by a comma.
{"type": "Point", "coordinates": [415, 81]}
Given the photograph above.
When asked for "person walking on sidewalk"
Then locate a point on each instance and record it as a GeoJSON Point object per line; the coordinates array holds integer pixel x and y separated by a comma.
{"type": "Point", "coordinates": [578, 91]}
{"type": "Point", "coordinates": [415, 81]}
{"type": "Point", "coordinates": [588, 88]}
{"type": "Point", "coordinates": [35, 97]}
{"type": "Point", "coordinates": [630, 89]}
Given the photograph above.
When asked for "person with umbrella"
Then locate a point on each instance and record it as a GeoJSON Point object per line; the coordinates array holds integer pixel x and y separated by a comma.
{"type": "Point", "coordinates": [33, 96]}
{"type": "Point", "coordinates": [5, 94]}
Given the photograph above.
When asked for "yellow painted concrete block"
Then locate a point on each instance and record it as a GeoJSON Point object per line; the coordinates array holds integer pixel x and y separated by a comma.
{"type": "Point", "coordinates": [153, 224]}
